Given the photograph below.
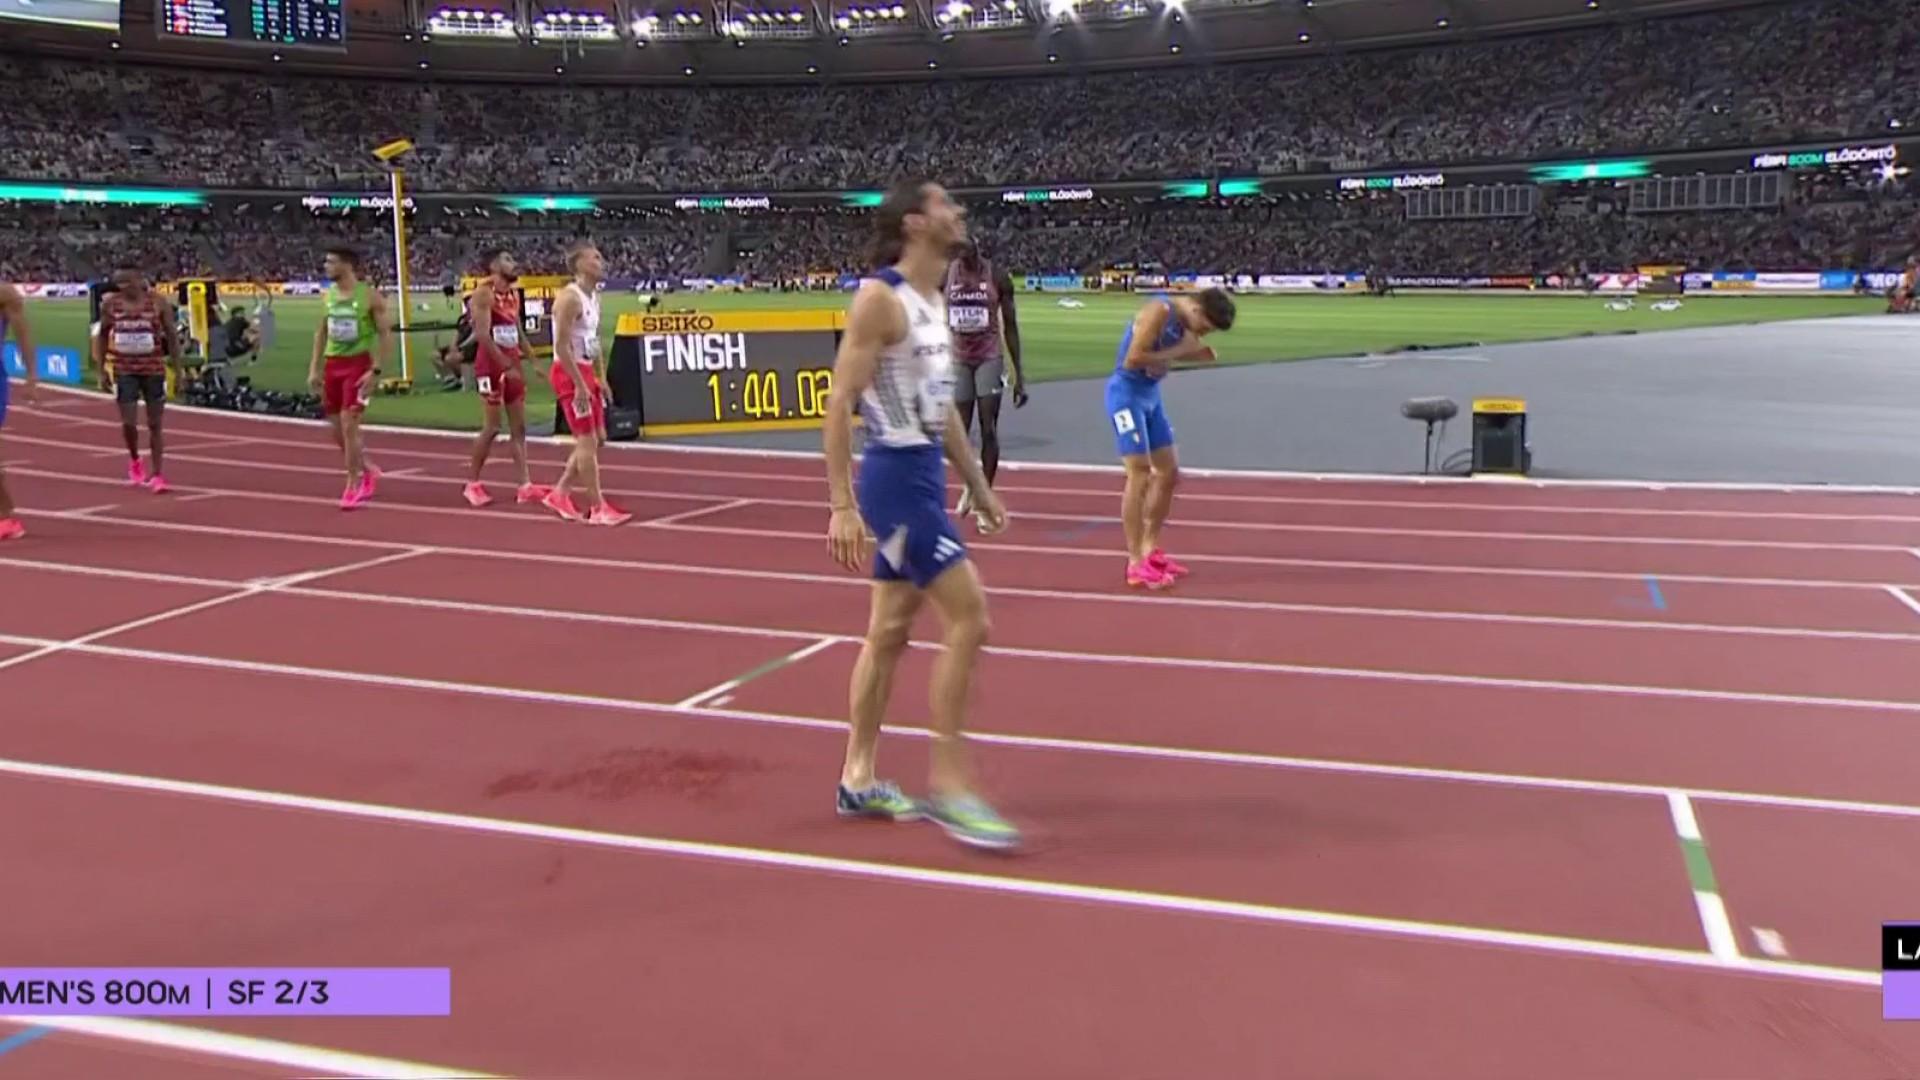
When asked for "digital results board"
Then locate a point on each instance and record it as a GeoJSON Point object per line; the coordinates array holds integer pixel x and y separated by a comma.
{"type": "Point", "coordinates": [695, 372]}
{"type": "Point", "coordinates": [315, 24]}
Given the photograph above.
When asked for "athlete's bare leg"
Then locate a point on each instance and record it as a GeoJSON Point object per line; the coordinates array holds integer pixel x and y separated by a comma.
{"type": "Point", "coordinates": [583, 467]}
{"type": "Point", "coordinates": [156, 440]}
{"type": "Point", "coordinates": [1166, 476]}
{"type": "Point", "coordinates": [347, 434]}
{"type": "Point", "coordinates": [130, 427]}
{"type": "Point", "coordinates": [517, 438]}
{"type": "Point", "coordinates": [961, 601]}
{"type": "Point", "coordinates": [483, 442]}
{"type": "Point", "coordinates": [6, 497]}
{"type": "Point", "coordinates": [990, 436]}
{"type": "Point", "coordinates": [895, 603]}
{"type": "Point", "coordinates": [1133, 505]}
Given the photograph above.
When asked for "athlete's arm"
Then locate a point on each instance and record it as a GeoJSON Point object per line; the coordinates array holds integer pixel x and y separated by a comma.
{"type": "Point", "coordinates": [1010, 329]}
{"type": "Point", "coordinates": [1146, 329]}
{"type": "Point", "coordinates": [319, 352]}
{"type": "Point", "coordinates": [13, 311]}
{"type": "Point", "coordinates": [874, 321]}
{"type": "Point", "coordinates": [480, 313]}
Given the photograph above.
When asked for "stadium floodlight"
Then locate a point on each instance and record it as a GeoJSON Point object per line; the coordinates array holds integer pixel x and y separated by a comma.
{"type": "Point", "coordinates": [899, 12]}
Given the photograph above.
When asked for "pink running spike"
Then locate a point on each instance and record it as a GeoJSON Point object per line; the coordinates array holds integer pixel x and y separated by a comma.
{"type": "Point", "coordinates": [605, 514]}
{"type": "Point", "coordinates": [1165, 565]}
{"type": "Point", "coordinates": [158, 484]}
{"type": "Point", "coordinates": [11, 529]}
{"type": "Point", "coordinates": [136, 472]}
{"type": "Point", "coordinates": [1145, 575]}
{"type": "Point", "coordinates": [562, 503]}
{"type": "Point", "coordinates": [476, 494]}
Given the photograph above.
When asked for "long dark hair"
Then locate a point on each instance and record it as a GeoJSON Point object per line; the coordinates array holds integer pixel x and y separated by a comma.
{"type": "Point", "coordinates": [890, 221]}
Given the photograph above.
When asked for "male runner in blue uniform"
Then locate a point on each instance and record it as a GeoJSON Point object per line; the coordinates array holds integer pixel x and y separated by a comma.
{"type": "Point", "coordinates": [13, 313]}
{"type": "Point", "coordinates": [1166, 331]}
{"type": "Point", "coordinates": [896, 360]}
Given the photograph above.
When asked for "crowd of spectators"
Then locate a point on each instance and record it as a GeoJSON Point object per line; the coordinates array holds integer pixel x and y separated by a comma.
{"type": "Point", "coordinates": [1816, 70]}
{"type": "Point", "coordinates": [1868, 224]}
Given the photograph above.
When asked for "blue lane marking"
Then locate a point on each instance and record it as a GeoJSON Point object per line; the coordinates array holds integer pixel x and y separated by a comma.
{"type": "Point", "coordinates": [1653, 593]}
{"type": "Point", "coordinates": [19, 1039]}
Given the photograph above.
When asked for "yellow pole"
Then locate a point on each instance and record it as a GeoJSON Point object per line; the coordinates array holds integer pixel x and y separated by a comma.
{"type": "Point", "coordinates": [405, 299]}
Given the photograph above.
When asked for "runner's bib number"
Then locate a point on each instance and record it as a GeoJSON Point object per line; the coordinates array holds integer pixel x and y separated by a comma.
{"type": "Point", "coordinates": [343, 327]}
{"type": "Point", "coordinates": [506, 335]}
{"type": "Point", "coordinates": [936, 393]}
{"type": "Point", "coordinates": [968, 320]}
{"type": "Point", "coordinates": [132, 342]}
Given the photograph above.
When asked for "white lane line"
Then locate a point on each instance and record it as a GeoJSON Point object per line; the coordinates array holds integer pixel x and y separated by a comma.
{"type": "Point", "coordinates": [976, 882]}
{"type": "Point", "coordinates": [312, 1060]}
{"type": "Point", "coordinates": [813, 457]}
{"type": "Point", "coordinates": [671, 522]}
{"type": "Point", "coordinates": [1185, 522]}
{"type": "Point", "coordinates": [1259, 606]}
{"type": "Point", "coordinates": [775, 664]}
{"type": "Point", "coordinates": [673, 519]}
{"type": "Point", "coordinates": [241, 592]}
{"type": "Point", "coordinates": [1905, 597]}
{"type": "Point", "coordinates": [1052, 655]}
{"type": "Point", "coordinates": [1706, 889]}
{"type": "Point", "coordinates": [1024, 742]}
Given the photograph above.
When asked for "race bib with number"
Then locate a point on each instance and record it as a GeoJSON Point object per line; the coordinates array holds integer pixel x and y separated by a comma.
{"type": "Point", "coordinates": [132, 342]}
{"type": "Point", "coordinates": [936, 393]}
{"type": "Point", "coordinates": [969, 320]}
{"type": "Point", "coordinates": [506, 335]}
{"type": "Point", "coordinates": [343, 327]}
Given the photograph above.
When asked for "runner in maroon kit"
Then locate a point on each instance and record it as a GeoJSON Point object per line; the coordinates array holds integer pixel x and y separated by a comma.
{"type": "Point", "coordinates": [495, 309]}
{"type": "Point", "coordinates": [979, 309]}
{"type": "Point", "coordinates": [138, 339]}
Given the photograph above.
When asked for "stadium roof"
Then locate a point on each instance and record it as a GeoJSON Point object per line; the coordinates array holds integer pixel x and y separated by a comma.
{"type": "Point", "coordinates": [759, 41]}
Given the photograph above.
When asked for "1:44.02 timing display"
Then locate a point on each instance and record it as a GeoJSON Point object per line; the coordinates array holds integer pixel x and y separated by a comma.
{"type": "Point", "coordinates": [760, 395]}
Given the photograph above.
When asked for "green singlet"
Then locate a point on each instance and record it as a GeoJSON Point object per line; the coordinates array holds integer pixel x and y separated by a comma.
{"type": "Point", "coordinates": [350, 329]}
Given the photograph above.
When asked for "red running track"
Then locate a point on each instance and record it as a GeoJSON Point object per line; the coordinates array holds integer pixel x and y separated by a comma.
{"type": "Point", "coordinates": [1386, 794]}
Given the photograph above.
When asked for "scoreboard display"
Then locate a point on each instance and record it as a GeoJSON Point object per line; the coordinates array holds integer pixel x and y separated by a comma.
{"type": "Point", "coordinates": [280, 23]}
{"type": "Point", "coordinates": [694, 373]}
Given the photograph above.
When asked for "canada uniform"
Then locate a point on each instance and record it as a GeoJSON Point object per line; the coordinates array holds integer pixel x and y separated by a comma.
{"type": "Point", "coordinates": [502, 382]}
{"type": "Point", "coordinates": [903, 474]}
{"type": "Point", "coordinates": [973, 313]}
{"type": "Point", "coordinates": [586, 352]}
{"type": "Point", "coordinates": [1133, 394]}
{"type": "Point", "coordinates": [136, 347]}
{"type": "Point", "coordinates": [351, 334]}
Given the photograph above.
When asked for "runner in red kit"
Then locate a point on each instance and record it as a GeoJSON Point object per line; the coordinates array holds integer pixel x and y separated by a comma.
{"type": "Point", "coordinates": [499, 373]}
{"type": "Point", "coordinates": [979, 314]}
{"type": "Point", "coordinates": [137, 338]}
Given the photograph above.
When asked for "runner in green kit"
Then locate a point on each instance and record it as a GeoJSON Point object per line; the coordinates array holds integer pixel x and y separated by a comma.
{"type": "Point", "coordinates": [352, 339]}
